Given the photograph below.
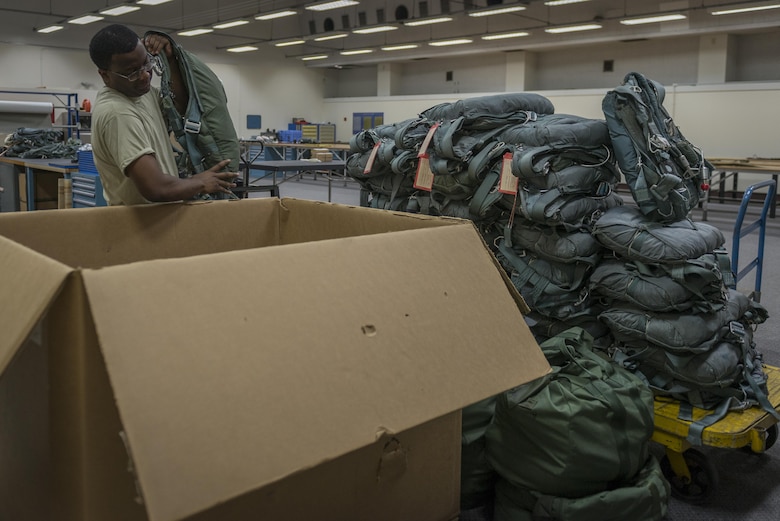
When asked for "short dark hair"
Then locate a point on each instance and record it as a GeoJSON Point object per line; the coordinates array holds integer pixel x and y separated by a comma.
{"type": "Point", "coordinates": [111, 40]}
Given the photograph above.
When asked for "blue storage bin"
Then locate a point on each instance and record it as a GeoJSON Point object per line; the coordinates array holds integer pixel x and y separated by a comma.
{"type": "Point", "coordinates": [290, 136]}
{"type": "Point", "coordinates": [86, 161]}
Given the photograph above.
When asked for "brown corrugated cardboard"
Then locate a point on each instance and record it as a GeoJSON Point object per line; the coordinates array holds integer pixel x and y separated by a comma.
{"type": "Point", "coordinates": [256, 359]}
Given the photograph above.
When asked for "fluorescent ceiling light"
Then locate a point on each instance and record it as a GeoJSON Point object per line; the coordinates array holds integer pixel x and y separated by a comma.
{"type": "Point", "coordinates": [243, 48]}
{"type": "Point", "coordinates": [572, 28]}
{"type": "Point", "coordinates": [563, 2]}
{"type": "Point", "coordinates": [653, 19]}
{"type": "Point", "coordinates": [501, 36]}
{"type": "Point", "coordinates": [196, 32]}
{"type": "Point", "coordinates": [314, 57]}
{"type": "Point", "coordinates": [234, 23]}
{"type": "Point", "coordinates": [746, 9]}
{"type": "Point", "coordinates": [428, 21]}
{"type": "Point", "coordinates": [86, 19]}
{"type": "Point", "coordinates": [490, 11]}
{"type": "Point", "coordinates": [444, 43]}
{"type": "Point", "coordinates": [356, 51]}
{"type": "Point", "coordinates": [326, 37]}
{"type": "Point", "coordinates": [401, 47]}
{"type": "Point", "coordinates": [333, 4]}
{"type": "Point", "coordinates": [119, 10]}
{"type": "Point", "coordinates": [375, 29]}
{"type": "Point", "coordinates": [50, 29]}
{"type": "Point", "coordinates": [152, 2]}
{"type": "Point", "coordinates": [275, 14]}
{"type": "Point", "coordinates": [289, 43]}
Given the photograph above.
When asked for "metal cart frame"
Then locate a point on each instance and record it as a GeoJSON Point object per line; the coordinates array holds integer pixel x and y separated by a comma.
{"type": "Point", "coordinates": [691, 475]}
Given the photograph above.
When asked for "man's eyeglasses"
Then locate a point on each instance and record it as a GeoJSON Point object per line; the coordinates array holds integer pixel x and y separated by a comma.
{"type": "Point", "coordinates": [152, 64]}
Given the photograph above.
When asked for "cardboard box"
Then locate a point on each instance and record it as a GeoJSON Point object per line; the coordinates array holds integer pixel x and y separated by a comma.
{"type": "Point", "coordinates": [252, 359]}
{"type": "Point", "coordinates": [322, 154]}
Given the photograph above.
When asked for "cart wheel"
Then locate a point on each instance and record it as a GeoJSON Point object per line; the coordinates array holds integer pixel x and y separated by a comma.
{"type": "Point", "coordinates": [771, 436]}
{"type": "Point", "coordinates": [704, 477]}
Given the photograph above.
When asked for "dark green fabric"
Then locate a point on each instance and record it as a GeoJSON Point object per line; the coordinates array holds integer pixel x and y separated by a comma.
{"type": "Point", "coordinates": [493, 110]}
{"type": "Point", "coordinates": [570, 211]}
{"type": "Point", "coordinates": [580, 430]}
{"type": "Point", "coordinates": [680, 333]}
{"type": "Point", "coordinates": [558, 130]}
{"type": "Point", "coordinates": [642, 498]}
{"type": "Point", "coordinates": [556, 244]}
{"type": "Point", "coordinates": [696, 286]}
{"type": "Point", "coordinates": [634, 236]}
{"type": "Point", "coordinates": [40, 143]}
{"type": "Point", "coordinates": [569, 169]}
{"type": "Point", "coordinates": [552, 288]}
{"type": "Point", "coordinates": [477, 477]}
{"type": "Point", "coordinates": [663, 170]}
{"type": "Point", "coordinates": [206, 132]}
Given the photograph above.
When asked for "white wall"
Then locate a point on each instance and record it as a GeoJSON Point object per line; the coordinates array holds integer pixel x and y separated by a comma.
{"type": "Point", "coordinates": [729, 120]}
{"type": "Point", "coordinates": [755, 56]}
{"type": "Point", "coordinates": [266, 84]}
{"type": "Point", "coordinates": [735, 119]}
{"type": "Point", "coordinates": [350, 82]}
{"type": "Point", "coordinates": [46, 69]}
{"type": "Point", "coordinates": [470, 73]}
{"type": "Point", "coordinates": [672, 60]}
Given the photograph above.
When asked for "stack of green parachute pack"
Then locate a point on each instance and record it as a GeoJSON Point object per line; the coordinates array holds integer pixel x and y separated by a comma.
{"type": "Point", "coordinates": [628, 301]}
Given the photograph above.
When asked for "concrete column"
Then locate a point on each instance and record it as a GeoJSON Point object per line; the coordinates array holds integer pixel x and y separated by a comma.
{"type": "Point", "coordinates": [520, 71]}
{"type": "Point", "coordinates": [388, 77]}
{"type": "Point", "coordinates": [716, 58]}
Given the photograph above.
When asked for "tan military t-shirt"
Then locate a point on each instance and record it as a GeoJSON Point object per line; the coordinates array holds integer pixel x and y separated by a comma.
{"type": "Point", "coordinates": [124, 129]}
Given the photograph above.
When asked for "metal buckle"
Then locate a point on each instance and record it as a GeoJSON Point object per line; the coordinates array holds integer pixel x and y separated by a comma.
{"type": "Point", "coordinates": [738, 330]}
{"type": "Point", "coordinates": [192, 127]}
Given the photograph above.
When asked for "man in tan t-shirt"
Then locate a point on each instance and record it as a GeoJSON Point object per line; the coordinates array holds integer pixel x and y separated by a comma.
{"type": "Point", "coordinates": [130, 140]}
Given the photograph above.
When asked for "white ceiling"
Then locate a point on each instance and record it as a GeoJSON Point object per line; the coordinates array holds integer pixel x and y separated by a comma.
{"type": "Point", "coordinates": [18, 20]}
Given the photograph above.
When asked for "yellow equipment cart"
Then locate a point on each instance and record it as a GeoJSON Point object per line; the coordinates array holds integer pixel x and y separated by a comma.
{"type": "Point", "coordinates": [692, 476]}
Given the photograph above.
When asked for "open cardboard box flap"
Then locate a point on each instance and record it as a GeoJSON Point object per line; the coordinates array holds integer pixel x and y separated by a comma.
{"type": "Point", "coordinates": [237, 369]}
{"type": "Point", "coordinates": [314, 334]}
{"type": "Point", "coordinates": [31, 280]}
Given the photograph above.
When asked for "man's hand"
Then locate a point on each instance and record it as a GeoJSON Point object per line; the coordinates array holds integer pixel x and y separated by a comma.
{"type": "Point", "coordinates": [156, 43]}
{"type": "Point", "coordinates": [214, 180]}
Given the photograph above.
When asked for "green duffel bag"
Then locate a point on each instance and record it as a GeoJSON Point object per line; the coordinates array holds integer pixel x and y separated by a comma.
{"type": "Point", "coordinates": [643, 498]}
{"type": "Point", "coordinates": [477, 477]}
{"type": "Point", "coordinates": [578, 430]}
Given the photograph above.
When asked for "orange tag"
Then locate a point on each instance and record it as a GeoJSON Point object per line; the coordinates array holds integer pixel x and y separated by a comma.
{"type": "Point", "coordinates": [371, 159]}
{"type": "Point", "coordinates": [427, 141]}
{"type": "Point", "coordinates": [423, 180]}
{"type": "Point", "coordinates": [508, 182]}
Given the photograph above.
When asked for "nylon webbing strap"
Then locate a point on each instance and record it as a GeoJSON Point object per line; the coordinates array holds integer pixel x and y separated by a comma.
{"type": "Point", "coordinates": [525, 273]}
{"type": "Point", "coordinates": [485, 196]}
{"type": "Point", "coordinates": [483, 159]}
{"type": "Point", "coordinates": [760, 395]}
{"type": "Point", "coordinates": [537, 211]}
{"type": "Point", "coordinates": [191, 122]}
{"type": "Point", "coordinates": [696, 429]}
{"type": "Point", "coordinates": [528, 164]}
{"type": "Point", "coordinates": [445, 140]}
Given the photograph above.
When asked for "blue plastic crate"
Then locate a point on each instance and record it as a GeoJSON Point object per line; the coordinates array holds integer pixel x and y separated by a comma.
{"type": "Point", "coordinates": [290, 136]}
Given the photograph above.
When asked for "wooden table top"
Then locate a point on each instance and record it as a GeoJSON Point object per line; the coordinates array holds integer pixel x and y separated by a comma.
{"type": "Point", "coordinates": [746, 163]}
